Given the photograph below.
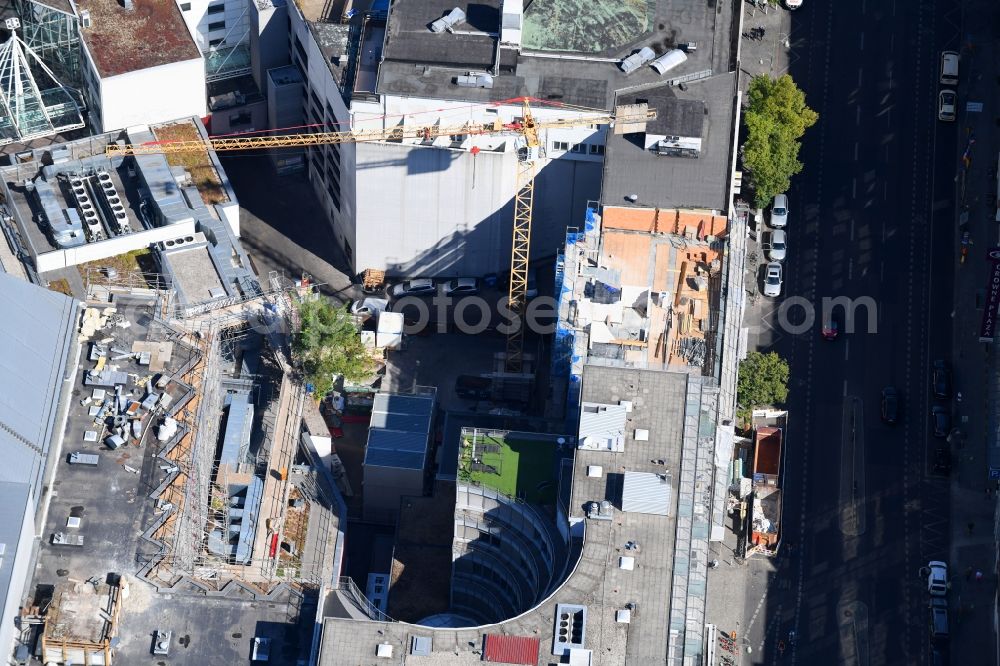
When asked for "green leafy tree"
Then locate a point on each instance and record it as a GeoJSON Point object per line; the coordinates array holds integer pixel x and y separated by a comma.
{"type": "Point", "coordinates": [763, 380]}
{"type": "Point", "coordinates": [776, 118]}
{"type": "Point", "coordinates": [328, 344]}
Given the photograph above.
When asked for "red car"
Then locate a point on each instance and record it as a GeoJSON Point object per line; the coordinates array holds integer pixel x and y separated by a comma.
{"type": "Point", "coordinates": [830, 329]}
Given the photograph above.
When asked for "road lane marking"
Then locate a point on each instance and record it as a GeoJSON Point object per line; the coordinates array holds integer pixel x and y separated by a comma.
{"type": "Point", "coordinates": [860, 73]}
{"type": "Point", "coordinates": [850, 268]}
{"type": "Point", "coordinates": [847, 349]}
{"type": "Point", "coordinates": [845, 388]}
{"type": "Point", "coordinates": [856, 151]}
{"type": "Point", "coordinates": [862, 41]}
{"type": "Point", "coordinates": [854, 188]}
{"type": "Point", "coordinates": [857, 116]}
{"type": "Point", "coordinates": [852, 228]}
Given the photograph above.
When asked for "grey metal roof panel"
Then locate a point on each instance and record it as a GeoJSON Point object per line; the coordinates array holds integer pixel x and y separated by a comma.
{"type": "Point", "coordinates": [35, 344]}
{"type": "Point", "coordinates": [397, 421]}
{"type": "Point", "coordinates": [646, 492]}
{"type": "Point", "coordinates": [248, 526]}
{"type": "Point", "coordinates": [398, 459]}
{"type": "Point", "coordinates": [402, 404]}
{"type": "Point", "coordinates": [239, 423]}
{"type": "Point", "coordinates": [14, 511]}
{"type": "Point", "coordinates": [599, 420]}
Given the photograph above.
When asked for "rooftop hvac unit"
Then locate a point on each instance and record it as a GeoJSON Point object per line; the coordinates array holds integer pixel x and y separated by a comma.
{"type": "Point", "coordinates": [475, 80]}
{"type": "Point", "coordinates": [453, 18]}
{"type": "Point", "coordinates": [85, 18]}
{"type": "Point", "coordinates": [676, 146]}
{"type": "Point", "coordinates": [637, 60]}
{"type": "Point", "coordinates": [668, 61]}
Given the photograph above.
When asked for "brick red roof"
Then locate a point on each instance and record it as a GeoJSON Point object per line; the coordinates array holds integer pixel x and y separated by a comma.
{"type": "Point", "coordinates": [511, 649]}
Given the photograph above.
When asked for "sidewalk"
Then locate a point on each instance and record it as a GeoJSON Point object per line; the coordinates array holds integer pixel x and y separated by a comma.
{"type": "Point", "coordinates": [737, 589]}
{"type": "Point", "coordinates": [973, 494]}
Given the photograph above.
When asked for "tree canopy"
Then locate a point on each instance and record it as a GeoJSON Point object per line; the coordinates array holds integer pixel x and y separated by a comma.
{"type": "Point", "coordinates": [776, 118]}
{"type": "Point", "coordinates": [328, 344]}
{"type": "Point", "coordinates": [763, 380]}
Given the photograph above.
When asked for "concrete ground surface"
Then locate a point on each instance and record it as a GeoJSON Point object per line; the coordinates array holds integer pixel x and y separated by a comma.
{"type": "Point", "coordinates": [283, 226]}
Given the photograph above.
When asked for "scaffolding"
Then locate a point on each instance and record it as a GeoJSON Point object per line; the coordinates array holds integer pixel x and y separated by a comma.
{"type": "Point", "coordinates": [35, 104]}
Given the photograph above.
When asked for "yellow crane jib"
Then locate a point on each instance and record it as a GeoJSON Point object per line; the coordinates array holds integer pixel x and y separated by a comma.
{"type": "Point", "coordinates": [626, 119]}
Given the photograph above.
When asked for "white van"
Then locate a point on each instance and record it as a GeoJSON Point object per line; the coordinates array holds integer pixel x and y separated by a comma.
{"type": "Point", "coordinates": [949, 68]}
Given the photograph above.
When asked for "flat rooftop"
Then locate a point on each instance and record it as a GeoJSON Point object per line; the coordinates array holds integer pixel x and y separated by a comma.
{"type": "Point", "coordinates": [660, 401]}
{"type": "Point", "coordinates": [194, 274]}
{"type": "Point", "coordinates": [151, 34]}
{"type": "Point", "coordinates": [661, 181]}
{"type": "Point", "coordinates": [591, 39]}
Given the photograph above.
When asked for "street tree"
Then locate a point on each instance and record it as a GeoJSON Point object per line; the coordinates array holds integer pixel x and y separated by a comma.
{"type": "Point", "coordinates": [763, 380]}
{"type": "Point", "coordinates": [776, 118]}
{"type": "Point", "coordinates": [328, 344]}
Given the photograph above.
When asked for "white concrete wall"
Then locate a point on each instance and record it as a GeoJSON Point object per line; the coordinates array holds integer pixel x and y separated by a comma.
{"type": "Point", "coordinates": [50, 261]}
{"type": "Point", "coordinates": [434, 212]}
{"type": "Point", "coordinates": [320, 81]}
{"type": "Point", "coordinates": [154, 95]}
{"type": "Point", "coordinates": [21, 559]}
{"type": "Point", "coordinates": [197, 18]}
{"type": "Point", "coordinates": [442, 211]}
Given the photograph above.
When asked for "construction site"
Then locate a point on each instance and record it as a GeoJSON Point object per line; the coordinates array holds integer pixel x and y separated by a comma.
{"type": "Point", "coordinates": [193, 423]}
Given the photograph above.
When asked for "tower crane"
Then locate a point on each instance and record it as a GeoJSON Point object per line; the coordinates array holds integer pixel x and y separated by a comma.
{"type": "Point", "coordinates": [626, 119]}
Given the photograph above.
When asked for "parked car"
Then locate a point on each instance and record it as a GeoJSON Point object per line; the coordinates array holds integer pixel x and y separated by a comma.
{"type": "Point", "coordinates": [461, 287]}
{"type": "Point", "coordinates": [779, 211]}
{"type": "Point", "coordinates": [418, 287]}
{"type": "Point", "coordinates": [831, 326]}
{"type": "Point", "coordinates": [947, 99]}
{"type": "Point", "coordinates": [890, 405]}
{"type": "Point", "coordinates": [941, 379]}
{"type": "Point", "coordinates": [937, 579]}
{"type": "Point", "coordinates": [776, 251]}
{"type": "Point", "coordinates": [368, 307]}
{"type": "Point", "coordinates": [793, 4]}
{"type": "Point", "coordinates": [949, 68]}
{"type": "Point", "coordinates": [942, 460]}
{"type": "Point", "coordinates": [772, 279]}
{"type": "Point", "coordinates": [940, 421]}
{"type": "Point", "coordinates": [939, 619]}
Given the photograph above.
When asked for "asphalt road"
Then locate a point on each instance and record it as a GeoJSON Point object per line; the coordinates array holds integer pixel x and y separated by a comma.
{"type": "Point", "coordinates": [870, 218]}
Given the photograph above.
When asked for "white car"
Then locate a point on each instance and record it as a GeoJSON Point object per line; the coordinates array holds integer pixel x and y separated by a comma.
{"type": "Point", "coordinates": [937, 580]}
{"type": "Point", "coordinates": [777, 249]}
{"type": "Point", "coordinates": [418, 287]}
{"type": "Point", "coordinates": [461, 287]}
{"type": "Point", "coordinates": [369, 307]}
{"type": "Point", "coordinates": [772, 279]}
{"type": "Point", "coordinates": [793, 4]}
{"type": "Point", "coordinates": [946, 106]}
{"type": "Point", "coordinates": [949, 68]}
{"type": "Point", "coordinates": [779, 211]}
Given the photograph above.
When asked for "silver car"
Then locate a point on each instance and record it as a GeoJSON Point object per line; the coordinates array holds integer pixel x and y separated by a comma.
{"type": "Point", "coordinates": [777, 249]}
{"type": "Point", "coordinates": [779, 211]}
{"type": "Point", "coordinates": [417, 287]}
{"type": "Point", "coordinates": [772, 279]}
